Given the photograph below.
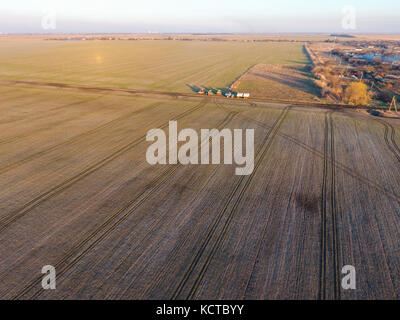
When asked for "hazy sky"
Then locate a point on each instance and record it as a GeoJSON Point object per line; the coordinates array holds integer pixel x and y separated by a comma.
{"type": "Point", "coordinates": [244, 16]}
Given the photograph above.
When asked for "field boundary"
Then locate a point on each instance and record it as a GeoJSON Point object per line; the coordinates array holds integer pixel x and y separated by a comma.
{"type": "Point", "coordinates": [181, 94]}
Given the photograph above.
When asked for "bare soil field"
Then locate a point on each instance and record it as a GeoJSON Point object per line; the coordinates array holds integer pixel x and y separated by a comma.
{"type": "Point", "coordinates": [78, 194]}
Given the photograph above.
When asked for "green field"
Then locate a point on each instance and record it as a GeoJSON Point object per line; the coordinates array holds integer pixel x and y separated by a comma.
{"type": "Point", "coordinates": [151, 65]}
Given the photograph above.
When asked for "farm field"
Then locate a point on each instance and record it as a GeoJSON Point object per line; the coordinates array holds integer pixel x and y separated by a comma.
{"type": "Point", "coordinates": [151, 65]}
{"type": "Point", "coordinates": [78, 194]}
{"type": "Point", "coordinates": [274, 81]}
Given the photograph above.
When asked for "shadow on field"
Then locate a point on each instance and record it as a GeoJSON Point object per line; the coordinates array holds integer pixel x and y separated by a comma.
{"type": "Point", "coordinates": [305, 85]}
{"type": "Point", "coordinates": [194, 88]}
{"type": "Point", "coordinates": [303, 70]}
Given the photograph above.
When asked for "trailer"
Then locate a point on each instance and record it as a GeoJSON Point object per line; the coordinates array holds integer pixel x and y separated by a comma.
{"type": "Point", "coordinates": [242, 95]}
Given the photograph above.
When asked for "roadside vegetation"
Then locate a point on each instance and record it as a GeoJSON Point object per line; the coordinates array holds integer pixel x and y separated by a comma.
{"type": "Point", "coordinates": [357, 93]}
{"type": "Point", "coordinates": [332, 85]}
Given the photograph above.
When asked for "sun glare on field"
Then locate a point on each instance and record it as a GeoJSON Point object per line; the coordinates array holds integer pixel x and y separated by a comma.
{"type": "Point", "coordinates": [99, 59]}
